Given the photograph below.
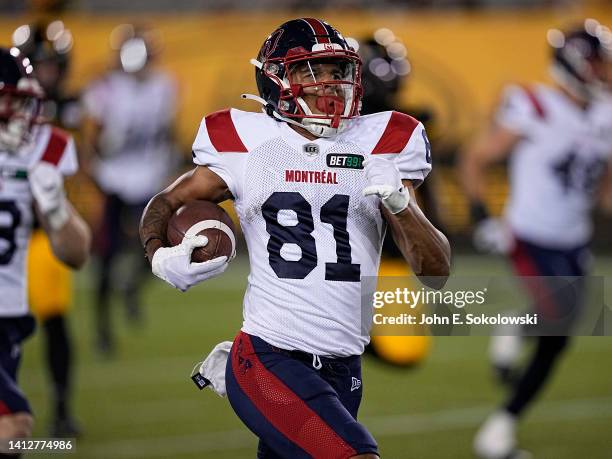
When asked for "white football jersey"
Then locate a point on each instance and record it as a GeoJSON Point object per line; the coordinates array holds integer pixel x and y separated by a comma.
{"type": "Point", "coordinates": [48, 144]}
{"type": "Point", "coordinates": [556, 169]}
{"type": "Point", "coordinates": [136, 116]}
{"type": "Point", "coordinates": [311, 234]}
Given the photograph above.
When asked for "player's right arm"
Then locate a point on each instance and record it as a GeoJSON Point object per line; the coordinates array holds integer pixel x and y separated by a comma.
{"type": "Point", "coordinates": [516, 117]}
{"type": "Point", "coordinates": [71, 242]}
{"type": "Point", "coordinates": [69, 235]}
{"type": "Point", "coordinates": [173, 264]}
{"type": "Point", "coordinates": [492, 145]}
{"type": "Point", "coordinates": [213, 179]}
{"type": "Point", "coordinates": [199, 183]}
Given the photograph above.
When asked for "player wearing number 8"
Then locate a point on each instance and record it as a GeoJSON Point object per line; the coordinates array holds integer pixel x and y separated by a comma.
{"type": "Point", "coordinates": [309, 241]}
{"type": "Point", "coordinates": [33, 159]}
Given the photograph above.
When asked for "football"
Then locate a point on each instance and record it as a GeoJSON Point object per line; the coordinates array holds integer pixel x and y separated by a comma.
{"type": "Point", "coordinates": [208, 219]}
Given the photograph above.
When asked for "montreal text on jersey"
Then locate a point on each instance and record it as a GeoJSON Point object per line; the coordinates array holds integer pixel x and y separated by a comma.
{"type": "Point", "coordinates": [311, 176]}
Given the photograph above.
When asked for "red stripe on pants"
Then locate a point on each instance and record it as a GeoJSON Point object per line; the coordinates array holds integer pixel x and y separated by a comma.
{"type": "Point", "coordinates": [288, 413]}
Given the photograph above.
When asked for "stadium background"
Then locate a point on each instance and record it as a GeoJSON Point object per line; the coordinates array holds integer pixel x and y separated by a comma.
{"type": "Point", "coordinates": [142, 404]}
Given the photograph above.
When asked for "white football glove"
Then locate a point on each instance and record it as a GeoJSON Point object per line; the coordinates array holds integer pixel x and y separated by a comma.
{"type": "Point", "coordinates": [47, 184]}
{"type": "Point", "coordinates": [492, 236]}
{"type": "Point", "coordinates": [173, 264]}
{"type": "Point", "coordinates": [385, 182]}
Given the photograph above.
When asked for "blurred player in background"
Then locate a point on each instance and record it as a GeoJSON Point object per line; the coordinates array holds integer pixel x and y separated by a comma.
{"type": "Point", "coordinates": [559, 143]}
{"type": "Point", "coordinates": [128, 135]}
{"type": "Point", "coordinates": [33, 159]}
{"type": "Point", "coordinates": [48, 47]}
{"type": "Point", "coordinates": [386, 70]}
{"type": "Point", "coordinates": [313, 224]}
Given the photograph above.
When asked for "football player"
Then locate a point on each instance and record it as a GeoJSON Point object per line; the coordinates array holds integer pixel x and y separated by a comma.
{"type": "Point", "coordinates": [33, 158]}
{"type": "Point", "coordinates": [559, 142]}
{"type": "Point", "coordinates": [127, 135]}
{"type": "Point", "coordinates": [48, 46]}
{"type": "Point", "coordinates": [314, 222]}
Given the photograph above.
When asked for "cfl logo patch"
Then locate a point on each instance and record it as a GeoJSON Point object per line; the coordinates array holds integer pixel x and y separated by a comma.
{"type": "Point", "coordinates": [355, 383]}
{"type": "Point", "coordinates": [311, 149]}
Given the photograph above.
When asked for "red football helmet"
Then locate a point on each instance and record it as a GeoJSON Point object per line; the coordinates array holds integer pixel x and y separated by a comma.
{"type": "Point", "coordinates": [20, 100]}
{"type": "Point", "coordinates": [308, 75]}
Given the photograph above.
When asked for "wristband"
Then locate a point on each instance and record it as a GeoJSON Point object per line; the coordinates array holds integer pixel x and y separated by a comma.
{"type": "Point", "coordinates": [397, 201]}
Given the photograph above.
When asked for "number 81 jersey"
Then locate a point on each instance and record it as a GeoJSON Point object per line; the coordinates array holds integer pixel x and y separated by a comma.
{"type": "Point", "coordinates": [310, 232]}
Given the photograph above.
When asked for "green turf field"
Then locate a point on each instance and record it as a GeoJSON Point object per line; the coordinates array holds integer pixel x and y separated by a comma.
{"type": "Point", "coordinates": [143, 405]}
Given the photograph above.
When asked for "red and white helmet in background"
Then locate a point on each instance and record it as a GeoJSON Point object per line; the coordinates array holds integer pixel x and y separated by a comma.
{"type": "Point", "coordinates": [20, 100]}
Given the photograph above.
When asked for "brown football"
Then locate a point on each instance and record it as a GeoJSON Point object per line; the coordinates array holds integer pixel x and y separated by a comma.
{"type": "Point", "coordinates": [215, 224]}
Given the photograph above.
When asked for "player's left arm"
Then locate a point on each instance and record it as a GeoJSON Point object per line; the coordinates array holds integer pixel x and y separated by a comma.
{"type": "Point", "coordinates": [69, 235]}
{"type": "Point", "coordinates": [424, 247]}
{"type": "Point", "coordinates": [392, 179]}
{"type": "Point", "coordinates": [71, 241]}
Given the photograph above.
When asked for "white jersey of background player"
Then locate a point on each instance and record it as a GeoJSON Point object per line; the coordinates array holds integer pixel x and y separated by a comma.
{"type": "Point", "coordinates": [33, 158]}
{"type": "Point", "coordinates": [48, 145]}
{"type": "Point", "coordinates": [135, 115]}
{"type": "Point", "coordinates": [563, 154]}
{"type": "Point", "coordinates": [560, 148]}
{"type": "Point", "coordinates": [559, 143]}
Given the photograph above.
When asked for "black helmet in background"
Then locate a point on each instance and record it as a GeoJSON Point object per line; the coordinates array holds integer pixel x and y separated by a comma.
{"type": "Point", "coordinates": [48, 46]}
{"type": "Point", "coordinates": [385, 68]}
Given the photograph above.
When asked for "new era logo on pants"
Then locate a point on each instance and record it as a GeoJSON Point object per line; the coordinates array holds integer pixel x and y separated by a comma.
{"type": "Point", "coordinates": [355, 383]}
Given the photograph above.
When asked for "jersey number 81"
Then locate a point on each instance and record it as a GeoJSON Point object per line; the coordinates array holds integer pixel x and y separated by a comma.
{"type": "Point", "coordinates": [334, 212]}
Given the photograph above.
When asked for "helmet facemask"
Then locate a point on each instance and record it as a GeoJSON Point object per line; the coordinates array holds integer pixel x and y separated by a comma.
{"type": "Point", "coordinates": [20, 110]}
{"type": "Point", "coordinates": [318, 90]}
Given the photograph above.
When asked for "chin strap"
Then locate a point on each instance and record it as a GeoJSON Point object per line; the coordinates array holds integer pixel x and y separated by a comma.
{"type": "Point", "coordinates": [256, 99]}
{"type": "Point", "coordinates": [277, 115]}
